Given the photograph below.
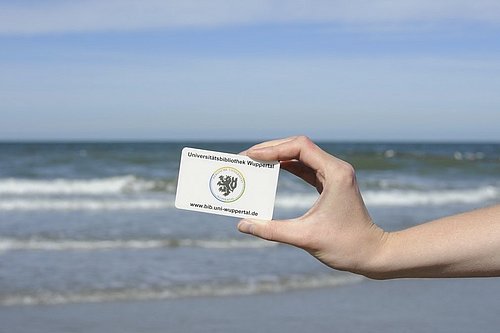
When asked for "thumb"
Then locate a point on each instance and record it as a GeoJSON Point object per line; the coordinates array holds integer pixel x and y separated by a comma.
{"type": "Point", "coordinates": [284, 231]}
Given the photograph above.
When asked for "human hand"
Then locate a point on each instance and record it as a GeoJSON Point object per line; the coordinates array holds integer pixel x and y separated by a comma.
{"type": "Point", "coordinates": [337, 229]}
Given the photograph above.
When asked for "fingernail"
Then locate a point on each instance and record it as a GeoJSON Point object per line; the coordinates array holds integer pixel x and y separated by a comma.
{"type": "Point", "coordinates": [257, 148]}
{"type": "Point", "coordinates": [252, 151]}
{"type": "Point", "coordinates": [246, 227]}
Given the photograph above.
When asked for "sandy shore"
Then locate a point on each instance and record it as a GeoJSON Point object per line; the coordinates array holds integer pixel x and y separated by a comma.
{"type": "Point", "coordinates": [449, 305]}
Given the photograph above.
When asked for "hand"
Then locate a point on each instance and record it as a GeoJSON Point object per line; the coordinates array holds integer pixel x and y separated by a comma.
{"type": "Point", "coordinates": [337, 230]}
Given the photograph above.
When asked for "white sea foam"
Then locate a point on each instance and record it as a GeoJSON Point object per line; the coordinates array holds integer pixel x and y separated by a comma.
{"type": "Point", "coordinates": [96, 186]}
{"type": "Point", "coordinates": [295, 200]}
{"type": "Point", "coordinates": [436, 197]}
{"type": "Point", "coordinates": [9, 244]}
{"type": "Point", "coordinates": [111, 194]}
{"type": "Point", "coordinates": [249, 287]}
{"type": "Point", "coordinates": [404, 197]}
{"type": "Point", "coordinates": [291, 201]}
{"type": "Point", "coordinates": [84, 204]}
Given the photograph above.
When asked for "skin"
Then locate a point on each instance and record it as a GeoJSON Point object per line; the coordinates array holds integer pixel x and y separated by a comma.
{"type": "Point", "coordinates": [338, 230]}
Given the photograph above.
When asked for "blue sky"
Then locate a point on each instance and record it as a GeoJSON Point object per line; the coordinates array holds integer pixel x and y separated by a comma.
{"type": "Point", "coordinates": [229, 70]}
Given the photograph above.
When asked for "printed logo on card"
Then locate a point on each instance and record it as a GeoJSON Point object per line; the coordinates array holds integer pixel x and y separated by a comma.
{"type": "Point", "coordinates": [227, 184]}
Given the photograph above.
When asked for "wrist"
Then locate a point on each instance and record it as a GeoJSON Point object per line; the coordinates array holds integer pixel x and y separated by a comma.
{"type": "Point", "coordinates": [375, 264]}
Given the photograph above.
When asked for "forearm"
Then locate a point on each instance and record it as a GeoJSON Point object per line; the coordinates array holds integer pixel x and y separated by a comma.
{"type": "Point", "coordinates": [463, 245]}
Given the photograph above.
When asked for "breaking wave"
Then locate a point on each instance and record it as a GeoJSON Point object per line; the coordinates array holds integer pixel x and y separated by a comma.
{"type": "Point", "coordinates": [404, 197]}
{"type": "Point", "coordinates": [284, 201]}
{"type": "Point", "coordinates": [84, 204]}
{"type": "Point", "coordinates": [96, 186]}
{"type": "Point", "coordinates": [273, 284]}
{"type": "Point", "coordinates": [9, 244]}
{"type": "Point", "coordinates": [435, 197]}
{"type": "Point", "coordinates": [134, 193]}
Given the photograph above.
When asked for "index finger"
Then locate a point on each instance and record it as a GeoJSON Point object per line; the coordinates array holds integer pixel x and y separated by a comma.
{"type": "Point", "coordinates": [271, 143]}
{"type": "Point", "coordinates": [267, 144]}
{"type": "Point", "coordinates": [297, 148]}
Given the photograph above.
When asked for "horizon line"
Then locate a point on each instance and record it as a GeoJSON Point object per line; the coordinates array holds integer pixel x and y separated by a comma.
{"type": "Point", "coordinates": [201, 140]}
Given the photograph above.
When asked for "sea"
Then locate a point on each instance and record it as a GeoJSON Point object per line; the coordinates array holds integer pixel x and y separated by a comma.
{"type": "Point", "coordinates": [96, 222]}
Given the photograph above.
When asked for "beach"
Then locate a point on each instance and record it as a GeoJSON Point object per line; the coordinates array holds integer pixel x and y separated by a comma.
{"type": "Point", "coordinates": [90, 241]}
{"type": "Point", "coordinates": [425, 305]}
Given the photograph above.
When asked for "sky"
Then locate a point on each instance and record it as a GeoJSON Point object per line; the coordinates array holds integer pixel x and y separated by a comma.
{"type": "Point", "coordinates": [416, 70]}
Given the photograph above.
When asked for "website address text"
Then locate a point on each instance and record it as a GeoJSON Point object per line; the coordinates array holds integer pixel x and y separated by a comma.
{"type": "Point", "coordinates": [224, 209]}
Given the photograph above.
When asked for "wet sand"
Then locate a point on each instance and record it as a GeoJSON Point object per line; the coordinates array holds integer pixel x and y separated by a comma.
{"type": "Point", "coordinates": [448, 305]}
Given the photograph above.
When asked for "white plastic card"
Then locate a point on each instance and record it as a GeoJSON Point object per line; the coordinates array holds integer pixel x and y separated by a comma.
{"type": "Point", "coordinates": [226, 184]}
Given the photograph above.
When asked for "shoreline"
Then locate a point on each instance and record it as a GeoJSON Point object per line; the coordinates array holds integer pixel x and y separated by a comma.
{"type": "Point", "coordinates": [413, 305]}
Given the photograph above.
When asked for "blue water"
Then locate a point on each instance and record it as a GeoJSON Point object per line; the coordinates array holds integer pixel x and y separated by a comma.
{"type": "Point", "coordinates": [94, 222]}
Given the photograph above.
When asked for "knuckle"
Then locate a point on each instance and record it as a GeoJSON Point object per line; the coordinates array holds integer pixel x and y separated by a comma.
{"type": "Point", "coordinates": [305, 140]}
{"type": "Point", "coordinates": [345, 173]}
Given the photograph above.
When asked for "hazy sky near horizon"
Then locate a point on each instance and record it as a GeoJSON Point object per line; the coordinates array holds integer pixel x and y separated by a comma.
{"type": "Point", "coordinates": [231, 70]}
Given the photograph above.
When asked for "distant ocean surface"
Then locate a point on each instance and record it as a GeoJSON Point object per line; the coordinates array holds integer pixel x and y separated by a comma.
{"type": "Point", "coordinates": [93, 222]}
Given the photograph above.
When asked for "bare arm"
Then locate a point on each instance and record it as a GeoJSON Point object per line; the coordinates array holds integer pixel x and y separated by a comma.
{"type": "Point", "coordinates": [338, 230]}
{"type": "Point", "coordinates": [462, 245]}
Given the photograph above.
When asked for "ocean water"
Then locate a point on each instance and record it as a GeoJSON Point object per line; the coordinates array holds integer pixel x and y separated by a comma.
{"type": "Point", "coordinates": [94, 222]}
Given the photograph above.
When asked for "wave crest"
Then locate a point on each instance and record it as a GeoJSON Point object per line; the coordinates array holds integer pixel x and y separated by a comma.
{"type": "Point", "coordinates": [9, 244]}
{"type": "Point", "coordinates": [133, 193]}
{"type": "Point", "coordinates": [437, 197]}
{"type": "Point", "coordinates": [95, 186]}
{"type": "Point", "coordinates": [404, 197]}
{"type": "Point", "coordinates": [247, 287]}
{"type": "Point", "coordinates": [84, 204]}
